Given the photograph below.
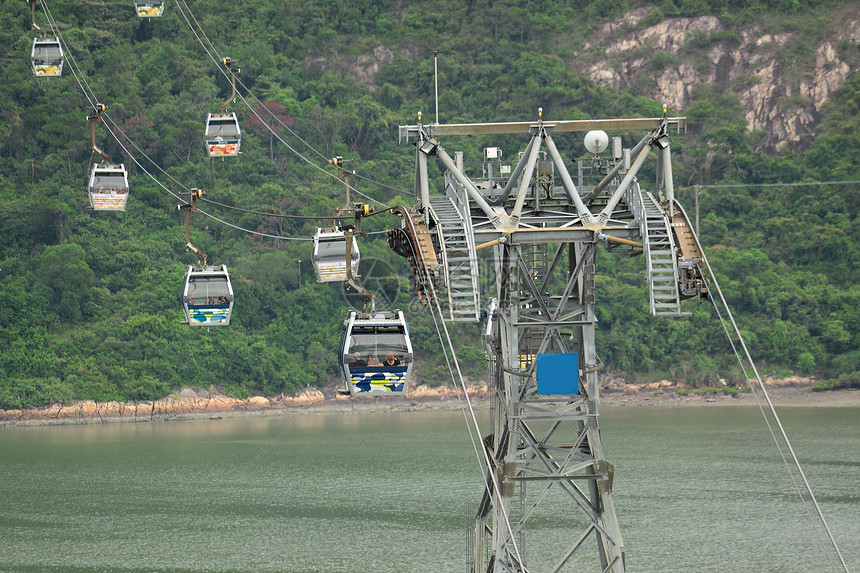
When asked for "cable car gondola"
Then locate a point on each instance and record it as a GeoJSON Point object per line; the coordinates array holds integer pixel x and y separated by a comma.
{"type": "Point", "coordinates": [149, 9]}
{"type": "Point", "coordinates": [223, 135]}
{"type": "Point", "coordinates": [330, 255]}
{"type": "Point", "coordinates": [108, 187]}
{"type": "Point", "coordinates": [207, 296]}
{"type": "Point", "coordinates": [47, 57]}
{"type": "Point", "coordinates": [380, 336]}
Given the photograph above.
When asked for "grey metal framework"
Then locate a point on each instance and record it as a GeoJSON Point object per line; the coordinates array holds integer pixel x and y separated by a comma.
{"type": "Point", "coordinates": [547, 472]}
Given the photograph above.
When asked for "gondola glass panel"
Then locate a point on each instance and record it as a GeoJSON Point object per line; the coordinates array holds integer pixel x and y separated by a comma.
{"type": "Point", "coordinates": [381, 337]}
{"type": "Point", "coordinates": [207, 296]}
{"type": "Point", "coordinates": [330, 255]}
{"type": "Point", "coordinates": [149, 9]}
{"type": "Point", "coordinates": [108, 187]}
{"type": "Point", "coordinates": [47, 57]}
{"type": "Point", "coordinates": [223, 135]}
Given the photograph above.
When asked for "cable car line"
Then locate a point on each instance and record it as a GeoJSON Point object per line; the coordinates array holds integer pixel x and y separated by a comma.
{"type": "Point", "coordinates": [217, 58]}
{"type": "Point", "coordinates": [772, 410]}
{"type": "Point", "coordinates": [796, 184]}
{"type": "Point", "coordinates": [201, 211]}
{"type": "Point", "coordinates": [273, 215]}
{"type": "Point", "coordinates": [462, 384]}
{"type": "Point", "coordinates": [274, 117]}
{"type": "Point", "coordinates": [770, 429]}
{"type": "Point", "coordinates": [90, 96]}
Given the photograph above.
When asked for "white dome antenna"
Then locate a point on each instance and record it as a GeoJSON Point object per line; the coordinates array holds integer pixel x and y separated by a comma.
{"type": "Point", "coordinates": [596, 141]}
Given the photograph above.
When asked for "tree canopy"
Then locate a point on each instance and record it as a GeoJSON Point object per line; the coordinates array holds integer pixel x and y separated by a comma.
{"type": "Point", "coordinates": [89, 303]}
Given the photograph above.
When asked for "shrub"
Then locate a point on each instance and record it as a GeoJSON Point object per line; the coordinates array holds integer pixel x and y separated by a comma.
{"type": "Point", "coordinates": [823, 385]}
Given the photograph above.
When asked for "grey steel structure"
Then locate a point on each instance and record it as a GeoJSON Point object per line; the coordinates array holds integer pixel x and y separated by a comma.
{"type": "Point", "coordinates": [547, 474]}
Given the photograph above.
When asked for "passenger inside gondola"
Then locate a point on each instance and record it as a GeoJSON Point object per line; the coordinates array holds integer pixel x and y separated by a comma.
{"type": "Point", "coordinates": [223, 128]}
{"type": "Point", "coordinates": [47, 53]}
{"type": "Point", "coordinates": [111, 182]}
{"type": "Point", "coordinates": [369, 338]}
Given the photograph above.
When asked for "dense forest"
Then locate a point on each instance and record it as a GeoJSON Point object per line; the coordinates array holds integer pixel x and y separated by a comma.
{"type": "Point", "coordinates": [89, 301]}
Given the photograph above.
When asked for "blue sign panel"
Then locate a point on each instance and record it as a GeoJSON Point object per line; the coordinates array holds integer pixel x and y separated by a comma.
{"type": "Point", "coordinates": [557, 373]}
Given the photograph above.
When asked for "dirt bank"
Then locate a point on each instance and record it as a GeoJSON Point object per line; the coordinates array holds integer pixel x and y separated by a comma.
{"type": "Point", "coordinates": [191, 403]}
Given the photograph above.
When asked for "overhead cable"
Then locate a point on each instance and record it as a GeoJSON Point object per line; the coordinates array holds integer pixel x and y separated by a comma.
{"type": "Point", "coordinates": [216, 59]}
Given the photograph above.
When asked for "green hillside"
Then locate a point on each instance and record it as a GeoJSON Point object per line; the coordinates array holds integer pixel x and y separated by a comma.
{"type": "Point", "coordinates": [89, 300]}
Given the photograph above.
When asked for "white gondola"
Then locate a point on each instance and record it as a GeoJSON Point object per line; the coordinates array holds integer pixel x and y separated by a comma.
{"type": "Point", "coordinates": [108, 187]}
{"type": "Point", "coordinates": [47, 57]}
{"type": "Point", "coordinates": [151, 9]}
{"type": "Point", "coordinates": [223, 135]}
{"type": "Point", "coordinates": [383, 336]}
{"type": "Point", "coordinates": [330, 255]}
{"type": "Point", "coordinates": [207, 296]}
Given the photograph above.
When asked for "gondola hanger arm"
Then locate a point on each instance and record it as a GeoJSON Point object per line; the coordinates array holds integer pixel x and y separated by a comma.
{"type": "Point", "coordinates": [188, 207]}
{"type": "Point", "coordinates": [94, 118]}
{"type": "Point", "coordinates": [228, 64]}
{"type": "Point", "coordinates": [350, 278]}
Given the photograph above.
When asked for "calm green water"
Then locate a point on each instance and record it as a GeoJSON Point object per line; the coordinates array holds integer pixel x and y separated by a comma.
{"type": "Point", "coordinates": [696, 489]}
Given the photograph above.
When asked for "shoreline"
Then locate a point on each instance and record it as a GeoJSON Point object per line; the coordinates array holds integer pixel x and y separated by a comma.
{"type": "Point", "coordinates": [199, 404]}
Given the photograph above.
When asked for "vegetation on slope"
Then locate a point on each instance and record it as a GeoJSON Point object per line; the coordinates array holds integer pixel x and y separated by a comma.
{"type": "Point", "coordinates": [89, 301]}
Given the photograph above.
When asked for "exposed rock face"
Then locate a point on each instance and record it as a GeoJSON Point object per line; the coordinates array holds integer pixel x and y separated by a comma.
{"type": "Point", "coordinates": [364, 67]}
{"type": "Point", "coordinates": [783, 101]}
{"type": "Point", "coordinates": [186, 401]}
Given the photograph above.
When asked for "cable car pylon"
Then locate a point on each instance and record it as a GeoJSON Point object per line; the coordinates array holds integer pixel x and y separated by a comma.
{"type": "Point", "coordinates": [543, 226]}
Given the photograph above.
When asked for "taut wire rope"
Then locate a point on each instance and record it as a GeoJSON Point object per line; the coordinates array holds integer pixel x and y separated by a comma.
{"type": "Point", "coordinates": [275, 117]}
{"type": "Point", "coordinates": [89, 94]}
{"type": "Point", "coordinates": [216, 59]}
{"type": "Point", "coordinates": [462, 384]}
{"type": "Point", "coordinates": [776, 419]}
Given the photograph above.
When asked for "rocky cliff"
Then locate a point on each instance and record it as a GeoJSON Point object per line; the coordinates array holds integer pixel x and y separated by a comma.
{"type": "Point", "coordinates": [783, 82]}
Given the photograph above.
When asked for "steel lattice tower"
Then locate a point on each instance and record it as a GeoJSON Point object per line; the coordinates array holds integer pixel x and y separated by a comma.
{"type": "Point", "coordinates": [548, 502]}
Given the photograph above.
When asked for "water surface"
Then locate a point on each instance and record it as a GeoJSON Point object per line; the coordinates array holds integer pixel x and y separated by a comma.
{"type": "Point", "coordinates": [696, 489]}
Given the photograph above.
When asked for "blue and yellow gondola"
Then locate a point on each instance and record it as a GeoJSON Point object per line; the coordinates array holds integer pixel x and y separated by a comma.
{"type": "Point", "coordinates": [385, 337]}
{"type": "Point", "coordinates": [207, 296]}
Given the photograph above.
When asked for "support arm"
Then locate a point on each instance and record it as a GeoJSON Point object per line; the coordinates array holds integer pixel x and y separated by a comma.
{"type": "Point", "coordinates": [431, 147]}
{"type": "Point", "coordinates": [569, 188]}
{"type": "Point", "coordinates": [527, 176]}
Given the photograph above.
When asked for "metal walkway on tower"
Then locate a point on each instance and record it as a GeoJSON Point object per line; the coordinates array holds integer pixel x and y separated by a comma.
{"type": "Point", "coordinates": [659, 250]}
{"type": "Point", "coordinates": [461, 293]}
